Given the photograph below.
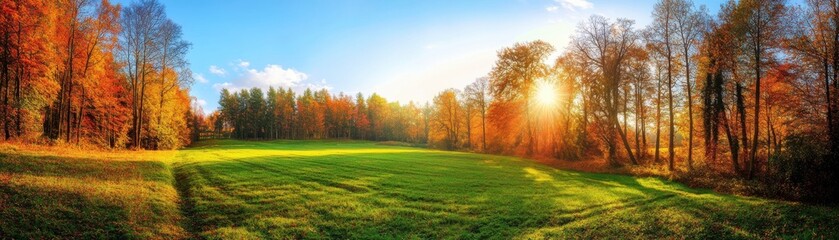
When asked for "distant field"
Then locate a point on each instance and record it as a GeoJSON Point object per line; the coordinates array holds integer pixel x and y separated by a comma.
{"type": "Point", "coordinates": [346, 189]}
{"type": "Point", "coordinates": [334, 189]}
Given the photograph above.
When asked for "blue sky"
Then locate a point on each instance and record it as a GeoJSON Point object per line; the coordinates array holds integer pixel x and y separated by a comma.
{"type": "Point", "coordinates": [403, 50]}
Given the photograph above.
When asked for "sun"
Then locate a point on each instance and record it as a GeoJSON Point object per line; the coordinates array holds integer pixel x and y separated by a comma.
{"type": "Point", "coordinates": [546, 93]}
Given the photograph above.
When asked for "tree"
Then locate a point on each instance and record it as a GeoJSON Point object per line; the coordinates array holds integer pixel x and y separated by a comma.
{"type": "Point", "coordinates": [662, 35]}
{"type": "Point", "coordinates": [173, 51]}
{"type": "Point", "coordinates": [638, 76]}
{"type": "Point", "coordinates": [256, 110]}
{"type": "Point", "coordinates": [61, 74]}
{"type": "Point", "coordinates": [426, 119]}
{"type": "Point", "coordinates": [25, 40]}
{"type": "Point", "coordinates": [514, 75]}
{"type": "Point", "coordinates": [688, 27]}
{"type": "Point", "coordinates": [814, 43]}
{"type": "Point", "coordinates": [141, 22]}
{"type": "Point", "coordinates": [478, 94]}
{"type": "Point", "coordinates": [85, 41]}
{"type": "Point", "coordinates": [605, 46]}
{"type": "Point", "coordinates": [377, 112]}
{"type": "Point", "coordinates": [468, 115]}
{"type": "Point", "coordinates": [660, 76]}
{"type": "Point", "coordinates": [287, 108]}
{"type": "Point", "coordinates": [307, 115]}
{"type": "Point", "coordinates": [759, 25]}
{"type": "Point", "coordinates": [360, 119]}
{"type": "Point", "coordinates": [718, 67]}
{"type": "Point", "coordinates": [574, 80]}
{"type": "Point", "coordinates": [446, 118]}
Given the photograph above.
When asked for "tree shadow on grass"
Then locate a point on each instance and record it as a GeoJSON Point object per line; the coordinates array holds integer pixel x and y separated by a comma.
{"type": "Point", "coordinates": [45, 197]}
{"type": "Point", "coordinates": [33, 213]}
{"type": "Point", "coordinates": [668, 209]}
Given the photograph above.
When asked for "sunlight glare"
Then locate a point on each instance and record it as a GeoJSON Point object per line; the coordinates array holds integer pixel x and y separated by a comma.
{"type": "Point", "coordinates": [546, 94]}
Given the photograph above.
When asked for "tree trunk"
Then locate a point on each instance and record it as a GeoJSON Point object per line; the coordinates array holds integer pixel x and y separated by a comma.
{"type": "Point", "coordinates": [483, 129]}
{"type": "Point", "coordinates": [756, 129]}
{"type": "Point", "coordinates": [672, 132]}
{"type": "Point", "coordinates": [741, 110]}
{"type": "Point", "coordinates": [658, 123]}
{"type": "Point", "coordinates": [626, 144]}
{"type": "Point", "coordinates": [732, 143]}
{"type": "Point", "coordinates": [80, 118]}
{"type": "Point", "coordinates": [637, 122]}
{"type": "Point", "coordinates": [690, 108]}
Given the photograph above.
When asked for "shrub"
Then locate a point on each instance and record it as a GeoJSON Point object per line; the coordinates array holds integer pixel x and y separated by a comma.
{"type": "Point", "coordinates": [802, 169]}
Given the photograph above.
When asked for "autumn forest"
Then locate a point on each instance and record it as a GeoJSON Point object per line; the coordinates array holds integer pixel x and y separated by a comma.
{"type": "Point", "coordinates": [742, 103]}
{"type": "Point", "coordinates": [95, 73]}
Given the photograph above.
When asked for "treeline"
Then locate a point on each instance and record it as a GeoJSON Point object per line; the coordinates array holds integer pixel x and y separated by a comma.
{"type": "Point", "coordinates": [92, 72]}
{"type": "Point", "coordinates": [317, 114]}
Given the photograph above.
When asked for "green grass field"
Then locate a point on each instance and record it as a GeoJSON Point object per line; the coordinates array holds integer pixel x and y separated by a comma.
{"type": "Point", "coordinates": [347, 189]}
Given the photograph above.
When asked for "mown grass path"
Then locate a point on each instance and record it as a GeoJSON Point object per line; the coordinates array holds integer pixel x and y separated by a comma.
{"type": "Point", "coordinates": [348, 189]}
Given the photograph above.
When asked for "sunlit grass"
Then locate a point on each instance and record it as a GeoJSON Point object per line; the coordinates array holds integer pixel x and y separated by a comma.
{"type": "Point", "coordinates": [347, 189]}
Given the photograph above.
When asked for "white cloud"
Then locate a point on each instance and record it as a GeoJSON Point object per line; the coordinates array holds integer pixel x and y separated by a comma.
{"type": "Point", "coordinates": [273, 75]}
{"type": "Point", "coordinates": [227, 85]}
{"type": "Point", "coordinates": [316, 86]}
{"type": "Point", "coordinates": [202, 102]}
{"type": "Point", "coordinates": [244, 64]}
{"type": "Point", "coordinates": [199, 77]}
{"type": "Point", "coordinates": [270, 76]}
{"type": "Point", "coordinates": [552, 8]}
{"type": "Point", "coordinates": [215, 70]}
{"type": "Point", "coordinates": [575, 4]}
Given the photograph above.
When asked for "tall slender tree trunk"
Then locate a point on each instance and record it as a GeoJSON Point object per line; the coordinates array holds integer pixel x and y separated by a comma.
{"type": "Point", "coordinates": [469, 129]}
{"type": "Point", "coordinates": [756, 129]}
{"type": "Point", "coordinates": [741, 111]}
{"type": "Point", "coordinates": [69, 108]}
{"type": "Point", "coordinates": [625, 109]}
{"type": "Point", "coordinates": [140, 109]}
{"type": "Point", "coordinates": [620, 131]}
{"type": "Point", "coordinates": [732, 143]}
{"type": "Point", "coordinates": [5, 106]}
{"type": "Point", "coordinates": [529, 128]}
{"type": "Point", "coordinates": [637, 123]}
{"type": "Point", "coordinates": [71, 49]}
{"type": "Point", "coordinates": [834, 134]}
{"type": "Point", "coordinates": [830, 127]}
{"type": "Point", "coordinates": [20, 74]}
{"type": "Point", "coordinates": [690, 107]}
{"type": "Point", "coordinates": [672, 132]}
{"type": "Point", "coordinates": [80, 118]}
{"type": "Point", "coordinates": [483, 129]}
{"type": "Point", "coordinates": [18, 129]}
{"type": "Point", "coordinates": [644, 152]}
{"type": "Point", "coordinates": [4, 85]}
{"type": "Point", "coordinates": [658, 123]}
